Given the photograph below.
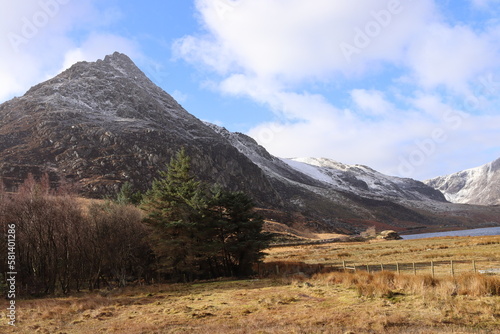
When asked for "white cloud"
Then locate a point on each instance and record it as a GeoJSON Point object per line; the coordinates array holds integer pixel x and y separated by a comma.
{"type": "Point", "coordinates": [298, 40]}
{"type": "Point", "coordinates": [269, 50]}
{"type": "Point", "coordinates": [451, 56]}
{"type": "Point", "coordinates": [372, 102]}
{"type": "Point", "coordinates": [418, 143]}
{"type": "Point", "coordinates": [37, 40]}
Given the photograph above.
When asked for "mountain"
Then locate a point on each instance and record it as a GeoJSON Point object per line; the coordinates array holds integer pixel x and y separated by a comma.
{"type": "Point", "coordinates": [480, 185]}
{"type": "Point", "coordinates": [364, 181]}
{"type": "Point", "coordinates": [99, 124]}
{"type": "Point", "coordinates": [104, 123]}
{"type": "Point", "coordinates": [358, 195]}
{"type": "Point", "coordinates": [326, 173]}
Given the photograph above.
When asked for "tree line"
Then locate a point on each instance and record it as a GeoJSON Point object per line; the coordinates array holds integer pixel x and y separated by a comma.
{"type": "Point", "coordinates": [180, 230]}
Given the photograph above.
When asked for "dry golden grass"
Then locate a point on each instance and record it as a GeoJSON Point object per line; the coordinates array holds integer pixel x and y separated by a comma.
{"type": "Point", "coordinates": [387, 284]}
{"type": "Point", "coordinates": [328, 235]}
{"type": "Point", "coordinates": [327, 303]}
{"type": "Point", "coordinates": [330, 302]}
{"type": "Point", "coordinates": [484, 250]}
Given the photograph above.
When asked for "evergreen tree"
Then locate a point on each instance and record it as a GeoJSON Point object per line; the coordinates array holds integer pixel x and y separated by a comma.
{"type": "Point", "coordinates": [174, 206]}
{"type": "Point", "coordinates": [238, 232]}
{"type": "Point", "coordinates": [198, 234]}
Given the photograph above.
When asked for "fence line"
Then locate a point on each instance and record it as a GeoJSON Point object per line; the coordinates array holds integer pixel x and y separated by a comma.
{"type": "Point", "coordinates": [449, 267]}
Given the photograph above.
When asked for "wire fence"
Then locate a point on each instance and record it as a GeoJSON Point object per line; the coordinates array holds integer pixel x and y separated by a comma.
{"type": "Point", "coordinates": [434, 268]}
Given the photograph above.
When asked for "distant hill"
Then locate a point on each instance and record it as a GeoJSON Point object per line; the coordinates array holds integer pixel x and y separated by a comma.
{"type": "Point", "coordinates": [100, 124]}
{"type": "Point", "coordinates": [480, 185]}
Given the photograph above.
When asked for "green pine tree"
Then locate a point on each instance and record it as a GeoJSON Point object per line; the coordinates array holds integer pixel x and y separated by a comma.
{"type": "Point", "coordinates": [174, 206]}
{"type": "Point", "coordinates": [198, 234]}
{"type": "Point", "coordinates": [238, 232]}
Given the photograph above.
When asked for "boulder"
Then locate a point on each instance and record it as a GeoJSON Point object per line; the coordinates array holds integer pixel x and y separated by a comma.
{"type": "Point", "coordinates": [389, 235]}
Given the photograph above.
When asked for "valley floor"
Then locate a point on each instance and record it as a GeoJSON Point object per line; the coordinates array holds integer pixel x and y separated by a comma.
{"type": "Point", "coordinates": [324, 303]}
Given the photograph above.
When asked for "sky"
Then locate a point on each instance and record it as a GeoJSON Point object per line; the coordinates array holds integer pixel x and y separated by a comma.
{"type": "Point", "coordinates": [409, 88]}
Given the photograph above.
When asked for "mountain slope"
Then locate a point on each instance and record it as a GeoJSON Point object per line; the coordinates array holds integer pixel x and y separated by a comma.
{"type": "Point", "coordinates": [99, 124]}
{"type": "Point", "coordinates": [364, 181]}
{"type": "Point", "coordinates": [326, 173]}
{"type": "Point", "coordinates": [480, 185]}
{"type": "Point", "coordinates": [104, 123]}
{"type": "Point", "coordinates": [358, 194]}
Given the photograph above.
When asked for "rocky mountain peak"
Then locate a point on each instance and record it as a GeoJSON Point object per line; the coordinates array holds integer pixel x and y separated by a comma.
{"type": "Point", "coordinates": [113, 66]}
{"type": "Point", "coordinates": [103, 123]}
{"type": "Point", "coordinates": [122, 63]}
{"type": "Point", "coordinates": [113, 89]}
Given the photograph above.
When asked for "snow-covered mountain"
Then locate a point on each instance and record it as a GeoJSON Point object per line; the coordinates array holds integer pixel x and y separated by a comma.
{"type": "Point", "coordinates": [480, 185]}
{"type": "Point", "coordinates": [364, 180]}
{"type": "Point", "coordinates": [322, 173]}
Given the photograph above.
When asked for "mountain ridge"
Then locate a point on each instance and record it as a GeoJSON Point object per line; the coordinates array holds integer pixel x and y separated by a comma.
{"type": "Point", "coordinates": [100, 124]}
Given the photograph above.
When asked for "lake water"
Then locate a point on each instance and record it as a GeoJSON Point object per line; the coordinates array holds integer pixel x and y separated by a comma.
{"type": "Point", "coordinates": [461, 233]}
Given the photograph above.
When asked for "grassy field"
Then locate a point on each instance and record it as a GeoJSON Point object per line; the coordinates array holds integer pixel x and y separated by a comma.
{"type": "Point", "coordinates": [484, 251]}
{"type": "Point", "coordinates": [328, 302]}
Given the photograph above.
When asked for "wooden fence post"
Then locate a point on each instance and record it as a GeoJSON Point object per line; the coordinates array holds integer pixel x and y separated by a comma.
{"type": "Point", "coordinates": [397, 267]}
{"type": "Point", "coordinates": [343, 264]}
{"type": "Point", "coordinates": [452, 268]}
{"type": "Point", "coordinates": [474, 265]}
{"type": "Point", "coordinates": [414, 269]}
{"type": "Point", "coordinates": [432, 268]}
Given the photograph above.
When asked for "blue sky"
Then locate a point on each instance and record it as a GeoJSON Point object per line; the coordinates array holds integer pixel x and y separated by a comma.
{"type": "Point", "coordinates": [410, 88]}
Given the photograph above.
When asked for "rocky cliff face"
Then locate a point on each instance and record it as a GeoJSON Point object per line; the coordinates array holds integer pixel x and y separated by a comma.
{"type": "Point", "coordinates": [480, 185]}
{"type": "Point", "coordinates": [103, 123]}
